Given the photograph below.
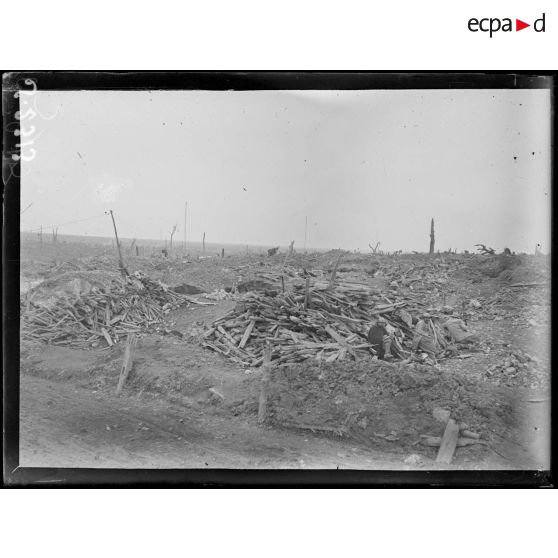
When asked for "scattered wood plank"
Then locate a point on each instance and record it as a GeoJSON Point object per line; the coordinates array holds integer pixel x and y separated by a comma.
{"type": "Point", "coordinates": [470, 434]}
{"type": "Point", "coordinates": [449, 442]}
{"type": "Point", "coordinates": [247, 333]}
{"type": "Point", "coordinates": [435, 441]}
{"type": "Point", "coordinates": [338, 430]}
{"type": "Point", "coordinates": [107, 336]}
{"type": "Point", "coordinates": [340, 340]}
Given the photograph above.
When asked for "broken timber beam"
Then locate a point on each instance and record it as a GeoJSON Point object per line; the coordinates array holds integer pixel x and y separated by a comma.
{"type": "Point", "coordinates": [247, 333]}
{"type": "Point", "coordinates": [435, 441]}
{"type": "Point", "coordinates": [340, 340]}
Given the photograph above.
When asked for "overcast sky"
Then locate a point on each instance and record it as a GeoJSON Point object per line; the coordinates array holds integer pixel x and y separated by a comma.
{"type": "Point", "coordinates": [363, 166]}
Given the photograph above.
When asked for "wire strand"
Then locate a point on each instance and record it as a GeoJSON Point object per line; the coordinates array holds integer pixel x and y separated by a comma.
{"type": "Point", "coordinates": [63, 224]}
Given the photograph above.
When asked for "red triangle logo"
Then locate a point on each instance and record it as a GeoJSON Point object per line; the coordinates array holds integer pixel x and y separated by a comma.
{"type": "Point", "coordinates": [519, 25]}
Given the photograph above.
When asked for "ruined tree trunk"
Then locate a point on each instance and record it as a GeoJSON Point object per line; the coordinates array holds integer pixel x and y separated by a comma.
{"type": "Point", "coordinates": [431, 252]}
{"type": "Point", "coordinates": [171, 235]}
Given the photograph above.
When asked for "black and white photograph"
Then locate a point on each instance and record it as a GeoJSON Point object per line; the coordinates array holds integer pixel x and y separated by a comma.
{"type": "Point", "coordinates": [327, 272]}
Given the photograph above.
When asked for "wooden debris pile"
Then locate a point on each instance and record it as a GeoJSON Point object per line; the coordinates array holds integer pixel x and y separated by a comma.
{"type": "Point", "coordinates": [101, 313]}
{"type": "Point", "coordinates": [318, 322]}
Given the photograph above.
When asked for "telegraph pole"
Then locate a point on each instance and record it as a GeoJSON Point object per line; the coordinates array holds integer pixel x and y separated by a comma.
{"type": "Point", "coordinates": [123, 270]}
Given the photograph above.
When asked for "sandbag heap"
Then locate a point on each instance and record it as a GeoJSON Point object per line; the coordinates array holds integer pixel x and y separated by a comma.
{"type": "Point", "coordinates": [88, 311]}
{"type": "Point", "coordinates": [329, 324]}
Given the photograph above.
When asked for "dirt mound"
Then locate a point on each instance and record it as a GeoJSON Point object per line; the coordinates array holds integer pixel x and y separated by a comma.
{"type": "Point", "coordinates": [257, 285]}
{"type": "Point", "coordinates": [379, 403]}
{"type": "Point", "coordinates": [187, 289]}
{"type": "Point", "coordinates": [518, 368]}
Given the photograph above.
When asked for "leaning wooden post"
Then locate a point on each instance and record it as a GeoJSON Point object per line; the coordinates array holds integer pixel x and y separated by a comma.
{"type": "Point", "coordinates": [262, 408]}
{"type": "Point", "coordinates": [307, 293]}
{"type": "Point", "coordinates": [431, 252]}
{"type": "Point", "coordinates": [123, 269]}
{"type": "Point", "coordinates": [131, 341]}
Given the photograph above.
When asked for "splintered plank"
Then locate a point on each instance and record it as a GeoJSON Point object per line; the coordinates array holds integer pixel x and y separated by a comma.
{"type": "Point", "coordinates": [107, 336]}
{"type": "Point", "coordinates": [449, 443]}
{"type": "Point", "coordinates": [247, 333]}
{"type": "Point", "coordinates": [340, 340]}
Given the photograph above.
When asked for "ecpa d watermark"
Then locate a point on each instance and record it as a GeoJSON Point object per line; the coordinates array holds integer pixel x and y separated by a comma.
{"type": "Point", "coordinates": [492, 25]}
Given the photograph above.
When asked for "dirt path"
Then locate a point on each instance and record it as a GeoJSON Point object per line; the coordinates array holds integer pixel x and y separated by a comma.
{"type": "Point", "coordinates": [67, 426]}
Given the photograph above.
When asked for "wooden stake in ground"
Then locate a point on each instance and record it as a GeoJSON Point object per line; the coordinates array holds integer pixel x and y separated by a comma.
{"type": "Point", "coordinates": [128, 362]}
{"type": "Point", "coordinates": [332, 278]}
{"type": "Point", "coordinates": [203, 242]}
{"type": "Point", "coordinates": [449, 443]}
{"type": "Point", "coordinates": [262, 408]}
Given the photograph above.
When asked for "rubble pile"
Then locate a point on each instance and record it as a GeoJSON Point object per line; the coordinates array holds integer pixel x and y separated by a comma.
{"type": "Point", "coordinates": [85, 309]}
{"type": "Point", "coordinates": [379, 403]}
{"type": "Point", "coordinates": [324, 323]}
{"type": "Point", "coordinates": [518, 368]}
{"type": "Point", "coordinates": [521, 305]}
